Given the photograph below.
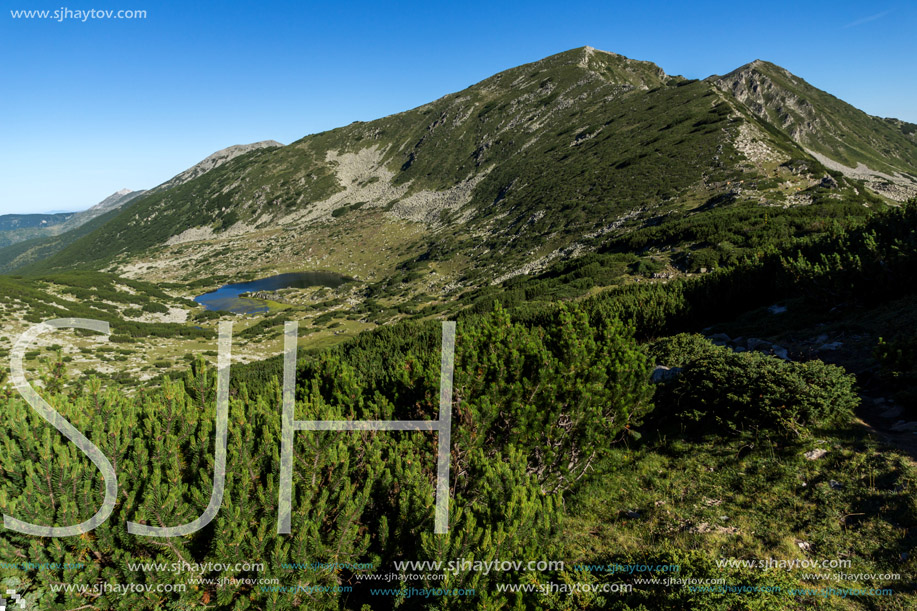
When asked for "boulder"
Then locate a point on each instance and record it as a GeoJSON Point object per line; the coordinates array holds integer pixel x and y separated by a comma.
{"type": "Point", "coordinates": [902, 427]}
{"type": "Point", "coordinates": [815, 454]}
{"type": "Point", "coordinates": [780, 352]}
{"type": "Point", "coordinates": [664, 374]}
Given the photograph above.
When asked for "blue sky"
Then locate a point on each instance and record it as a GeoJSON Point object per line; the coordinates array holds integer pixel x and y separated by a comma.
{"type": "Point", "coordinates": [91, 107]}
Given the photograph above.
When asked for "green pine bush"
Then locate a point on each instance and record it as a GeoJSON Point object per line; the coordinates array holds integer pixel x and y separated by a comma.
{"type": "Point", "coordinates": [721, 390]}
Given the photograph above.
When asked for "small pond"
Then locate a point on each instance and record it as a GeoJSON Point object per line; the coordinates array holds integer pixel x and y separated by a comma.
{"type": "Point", "coordinates": [228, 297]}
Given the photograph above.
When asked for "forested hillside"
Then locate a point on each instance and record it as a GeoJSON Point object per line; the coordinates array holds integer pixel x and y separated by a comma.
{"type": "Point", "coordinates": [554, 421]}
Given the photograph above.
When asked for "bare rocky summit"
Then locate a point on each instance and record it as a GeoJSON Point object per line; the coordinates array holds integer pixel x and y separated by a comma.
{"type": "Point", "coordinates": [214, 161]}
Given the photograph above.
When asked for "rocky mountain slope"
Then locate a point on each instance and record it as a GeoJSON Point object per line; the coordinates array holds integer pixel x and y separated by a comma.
{"type": "Point", "coordinates": [538, 163]}
{"type": "Point", "coordinates": [846, 139]}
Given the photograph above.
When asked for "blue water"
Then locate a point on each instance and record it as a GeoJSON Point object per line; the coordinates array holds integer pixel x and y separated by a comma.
{"type": "Point", "coordinates": [227, 298]}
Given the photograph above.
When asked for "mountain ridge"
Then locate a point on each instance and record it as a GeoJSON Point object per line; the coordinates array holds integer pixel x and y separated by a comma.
{"type": "Point", "coordinates": [542, 161]}
{"type": "Point", "coordinates": [112, 202]}
{"type": "Point", "coordinates": [856, 143]}
{"type": "Point", "coordinates": [214, 160]}
{"type": "Point", "coordinates": [39, 245]}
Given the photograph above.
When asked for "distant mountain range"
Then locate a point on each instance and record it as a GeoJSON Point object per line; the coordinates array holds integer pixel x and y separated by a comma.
{"type": "Point", "coordinates": [538, 163]}
{"type": "Point", "coordinates": [16, 228]}
{"type": "Point", "coordinates": [11, 222]}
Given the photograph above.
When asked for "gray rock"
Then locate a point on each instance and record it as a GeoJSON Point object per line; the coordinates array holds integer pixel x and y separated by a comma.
{"type": "Point", "coordinates": [761, 345]}
{"type": "Point", "coordinates": [892, 412]}
{"type": "Point", "coordinates": [902, 426]}
{"type": "Point", "coordinates": [664, 374]}
{"type": "Point", "coordinates": [776, 309]}
{"type": "Point", "coordinates": [815, 454]}
{"type": "Point", "coordinates": [829, 346]}
{"type": "Point", "coordinates": [780, 352]}
{"type": "Point", "coordinates": [835, 485]}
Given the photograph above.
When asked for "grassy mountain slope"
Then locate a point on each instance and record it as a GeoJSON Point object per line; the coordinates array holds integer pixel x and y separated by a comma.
{"type": "Point", "coordinates": [534, 163]}
{"type": "Point", "coordinates": [581, 151]}
{"type": "Point", "coordinates": [215, 160]}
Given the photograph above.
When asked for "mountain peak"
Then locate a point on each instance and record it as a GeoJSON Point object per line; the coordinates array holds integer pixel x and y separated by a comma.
{"type": "Point", "coordinates": [215, 160]}
{"type": "Point", "coordinates": [590, 51]}
{"type": "Point", "coordinates": [829, 128]}
{"type": "Point", "coordinates": [758, 66]}
{"type": "Point", "coordinates": [610, 67]}
{"type": "Point", "coordinates": [112, 201]}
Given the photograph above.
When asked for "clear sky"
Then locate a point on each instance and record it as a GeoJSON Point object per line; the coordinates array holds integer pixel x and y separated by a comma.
{"type": "Point", "coordinates": [91, 107]}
